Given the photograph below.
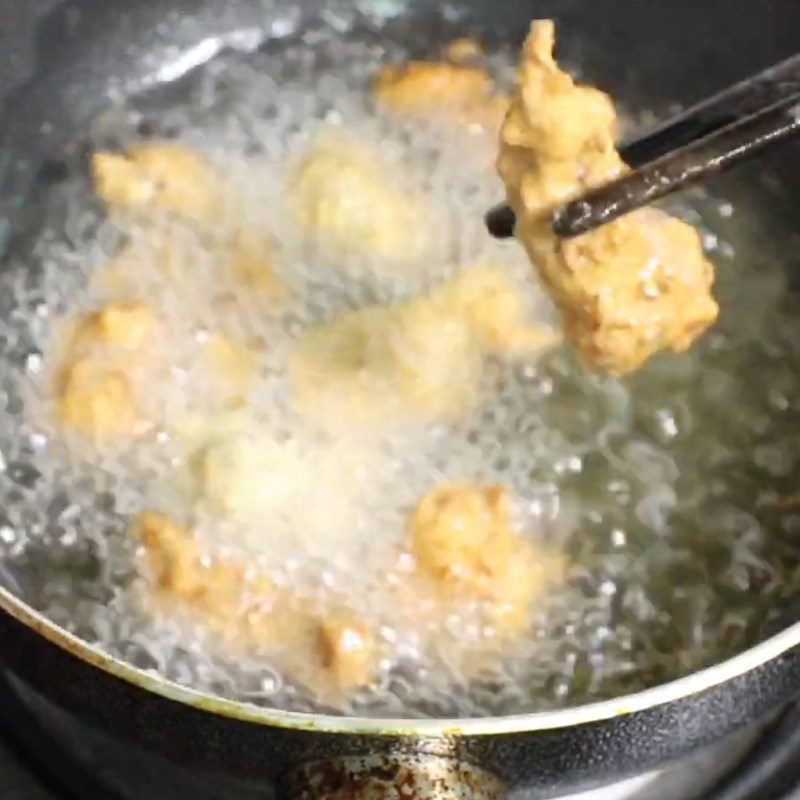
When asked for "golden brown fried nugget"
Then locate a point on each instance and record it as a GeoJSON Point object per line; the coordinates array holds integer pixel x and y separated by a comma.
{"type": "Point", "coordinates": [418, 361]}
{"type": "Point", "coordinates": [96, 401]}
{"type": "Point", "coordinates": [462, 540]}
{"type": "Point", "coordinates": [158, 176]}
{"type": "Point", "coordinates": [629, 289]}
{"type": "Point", "coordinates": [333, 653]}
{"type": "Point", "coordinates": [346, 197]}
{"type": "Point", "coordinates": [98, 382]}
{"type": "Point", "coordinates": [463, 94]}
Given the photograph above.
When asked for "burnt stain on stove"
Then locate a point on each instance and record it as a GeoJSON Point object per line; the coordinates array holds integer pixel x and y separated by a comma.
{"type": "Point", "coordinates": [392, 777]}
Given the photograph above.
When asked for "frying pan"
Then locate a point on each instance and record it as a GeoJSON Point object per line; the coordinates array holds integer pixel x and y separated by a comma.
{"type": "Point", "coordinates": [64, 62]}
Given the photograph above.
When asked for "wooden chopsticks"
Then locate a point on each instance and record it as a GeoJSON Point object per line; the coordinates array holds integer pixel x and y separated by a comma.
{"type": "Point", "coordinates": [731, 127]}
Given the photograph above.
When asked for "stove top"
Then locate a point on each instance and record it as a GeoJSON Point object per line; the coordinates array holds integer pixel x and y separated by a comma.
{"type": "Point", "coordinates": [760, 765]}
{"type": "Point", "coordinates": [17, 781]}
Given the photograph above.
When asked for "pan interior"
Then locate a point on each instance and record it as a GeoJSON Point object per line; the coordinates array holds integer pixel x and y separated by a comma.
{"type": "Point", "coordinates": [670, 493]}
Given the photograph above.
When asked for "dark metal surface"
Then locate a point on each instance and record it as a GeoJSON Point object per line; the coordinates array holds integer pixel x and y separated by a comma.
{"type": "Point", "coordinates": [222, 749]}
{"type": "Point", "coordinates": [692, 165]}
{"type": "Point", "coordinates": [501, 221]}
{"type": "Point", "coordinates": [18, 21]}
{"type": "Point", "coordinates": [771, 770]}
{"type": "Point", "coordinates": [67, 760]}
{"type": "Point", "coordinates": [766, 89]}
{"type": "Point", "coordinates": [88, 52]}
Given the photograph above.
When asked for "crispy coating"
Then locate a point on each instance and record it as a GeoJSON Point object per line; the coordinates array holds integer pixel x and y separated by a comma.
{"type": "Point", "coordinates": [244, 475]}
{"type": "Point", "coordinates": [460, 93]}
{"type": "Point", "coordinates": [463, 542]}
{"type": "Point", "coordinates": [167, 178]}
{"type": "Point", "coordinates": [494, 308]}
{"type": "Point", "coordinates": [333, 653]}
{"type": "Point", "coordinates": [158, 176]}
{"type": "Point", "coordinates": [385, 365]}
{"type": "Point", "coordinates": [176, 565]}
{"type": "Point", "coordinates": [346, 650]}
{"type": "Point", "coordinates": [628, 289]}
{"type": "Point", "coordinates": [345, 196]}
{"type": "Point", "coordinates": [96, 400]}
{"type": "Point", "coordinates": [464, 51]}
{"type": "Point", "coordinates": [234, 602]}
{"type": "Point", "coordinates": [420, 360]}
{"type": "Point", "coordinates": [98, 382]}
{"type": "Point", "coordinates": [126, 325]}
{"type": "Point", "coordinates": [243, 263]}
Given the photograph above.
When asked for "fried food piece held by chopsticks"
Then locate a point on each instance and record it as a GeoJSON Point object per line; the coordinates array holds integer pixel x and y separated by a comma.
{"type": "Point", "coordinates": [629, 289]}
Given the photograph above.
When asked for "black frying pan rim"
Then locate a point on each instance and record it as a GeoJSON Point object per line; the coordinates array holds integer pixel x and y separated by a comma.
{"type": "Point", "coordinates": [680, 689]}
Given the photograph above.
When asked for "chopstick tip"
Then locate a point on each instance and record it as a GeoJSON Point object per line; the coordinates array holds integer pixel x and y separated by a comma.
{"type": "Point", "coordinates": [500, 222]}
